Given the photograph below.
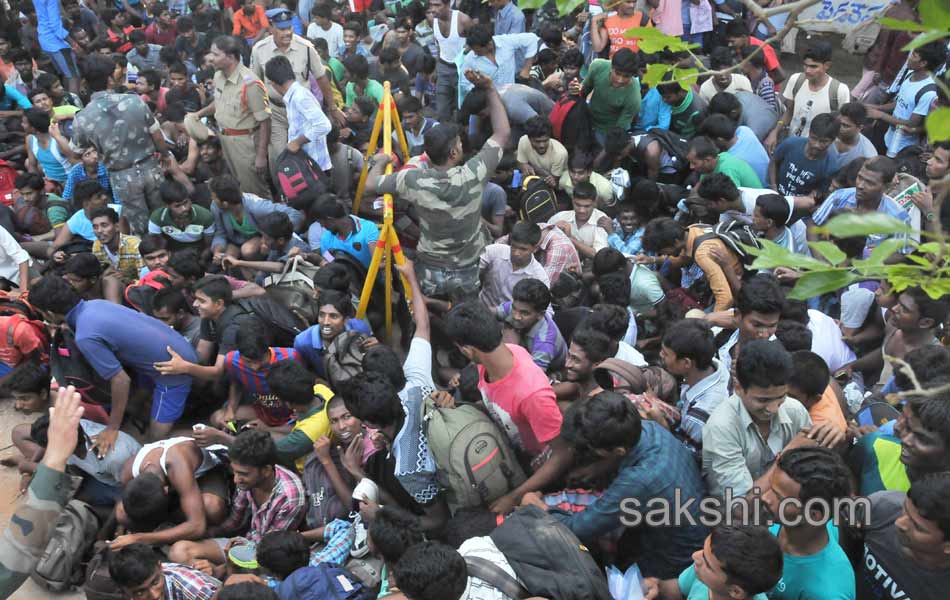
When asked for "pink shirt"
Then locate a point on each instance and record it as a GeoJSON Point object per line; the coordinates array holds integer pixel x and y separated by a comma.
{"type": "Point", "coordinates": [522, 403]}
{"type": "Point", "coordinates": [668, 17]}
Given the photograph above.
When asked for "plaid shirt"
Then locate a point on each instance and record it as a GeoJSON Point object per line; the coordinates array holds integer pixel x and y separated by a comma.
{"type": "Point", "coordinates": [185, 583]}
{"type": "Point", "coordinates": [128, 260]}
{"type": "Point", "coordinates": [558, 251]}
{"type": "Point", "coordinates": [338, 538]}
{"type": "Point", "coordinates": [282, 511]}
{"type": "Point", "coordinates": [78, 174]}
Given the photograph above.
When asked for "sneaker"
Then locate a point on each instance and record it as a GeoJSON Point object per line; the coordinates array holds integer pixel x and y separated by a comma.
{"type": "Point", "coordinates": [360, 545]}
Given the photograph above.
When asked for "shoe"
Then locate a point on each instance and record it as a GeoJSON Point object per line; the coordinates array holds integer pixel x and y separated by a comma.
{"type": "Point", "coordinates": [360, 544]}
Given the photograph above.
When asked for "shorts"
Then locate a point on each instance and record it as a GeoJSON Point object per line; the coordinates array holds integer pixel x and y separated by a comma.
{"type": "Point", "coordinates": [168, 401]}
{"type": "Point", "coordinates": [215, 482]}
{"type": "Point", "coordinates": [65, 62]}
{"type": "Point", "coordinates": [443, 282]}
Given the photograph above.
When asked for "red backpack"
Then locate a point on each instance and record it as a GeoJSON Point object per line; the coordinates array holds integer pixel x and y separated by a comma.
{"type": "Point", "coordinates": [8, 191]}
{"type": "Point", "coordinates": [139, 295]}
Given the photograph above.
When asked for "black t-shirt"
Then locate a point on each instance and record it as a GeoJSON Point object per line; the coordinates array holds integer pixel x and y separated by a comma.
{"type": "Point", "coordinates": [223, 330]}
{"type": "Point", "coordinates": [885, 572]}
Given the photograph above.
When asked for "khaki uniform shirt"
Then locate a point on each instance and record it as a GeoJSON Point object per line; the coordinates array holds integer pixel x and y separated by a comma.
{"type": "Point", "coordinates": [303, 58]}
{"type": "Point", "coordinates": [239, 99]}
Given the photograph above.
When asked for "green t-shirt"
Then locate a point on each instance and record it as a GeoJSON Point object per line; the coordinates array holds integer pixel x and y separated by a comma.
{"type": "Point", "coordinates": [694, 589]}
{"type": "Point", "coordinates": [201, 226]}
{"type": "Point", "coordinates": [610, 106]}
{"type": "Point", "coordinates": [825, 575]}
{"type": "Point", "coordinates": [737, 170]}
{"type": "Point", "coordinates": [337, 67]}
{"type": "Point", "coordinates": [876, 458]}
{"type": "Point", "coordinates": [57, 214]}
{"type": "Point", "coordinates": [374, 89]}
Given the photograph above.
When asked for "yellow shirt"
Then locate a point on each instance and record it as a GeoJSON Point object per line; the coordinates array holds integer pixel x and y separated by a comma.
{"type": "Point", "coordinates": [317, 424]}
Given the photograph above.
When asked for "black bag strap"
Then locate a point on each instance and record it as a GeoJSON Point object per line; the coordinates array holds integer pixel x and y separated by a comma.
{"type": "Point", "coordinates": [706, 236]}
{"type": "Point", "coordinates": [491, 573]}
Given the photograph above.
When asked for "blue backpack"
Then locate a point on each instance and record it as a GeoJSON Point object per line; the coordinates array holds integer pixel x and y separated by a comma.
{"type": "Point", "coordinates": [322, 582]}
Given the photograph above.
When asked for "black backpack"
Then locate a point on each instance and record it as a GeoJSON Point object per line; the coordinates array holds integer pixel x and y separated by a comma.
{"type": "Point", "coordinates": [674, 145]}
{"type": "Point", "coordinates": [69, 367]}
{"type": "Point", "coordinates": [735, 235]}
{"type": "Point", "coordinates": [62, 564]}
{"type": "Point", "coordinates": [538, 202]}
{"type": "Point", "coordinates": [99, 584]}
{"type": "Point", "coordinates": [297, 174]}
{"type": "Point", "coordinates": [283, 324]}
{"type": "Point", "coordinates": [547, 557]}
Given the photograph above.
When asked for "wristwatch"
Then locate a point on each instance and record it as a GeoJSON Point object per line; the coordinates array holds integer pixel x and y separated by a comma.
{"type": "Point", "coordinates": [930, 217]}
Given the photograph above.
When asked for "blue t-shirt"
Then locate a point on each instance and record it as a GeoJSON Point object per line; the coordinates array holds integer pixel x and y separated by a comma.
{"type": "Point", "coordinates": [798, 175]}
{"type": "Point", "coordinates": [360, 244]}
{"type": "Point", "coordinates": [309, 344]}
{"type": "Point", "coordinates": [14, 99]}
{"type": "Point", "coordinates": [111, 337]}
{"type": "Point", "coordinates": [750, 149]}
{"type": "Point", "coordinates": [80, 225]}
{"type": "Point", "coordinates": [694, 589]}
{"type": "Point", "coordinates": [826, 575]}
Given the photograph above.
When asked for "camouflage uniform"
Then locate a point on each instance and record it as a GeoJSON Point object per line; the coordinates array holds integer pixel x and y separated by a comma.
{"type": "Point", "coordinates": [31, 525]}
{"type": "Point", "coordinates": [449, 205]}
{"type": "Point", "coordinates": [240, 105]}
{"type": "Point", "coordinates": [119, 126]}
{"type": "Point", "coordinates": [304, 59]}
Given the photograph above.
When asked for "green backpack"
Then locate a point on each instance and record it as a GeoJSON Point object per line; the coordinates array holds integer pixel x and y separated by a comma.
{"type": "Point", "coordinates": [476, 464]}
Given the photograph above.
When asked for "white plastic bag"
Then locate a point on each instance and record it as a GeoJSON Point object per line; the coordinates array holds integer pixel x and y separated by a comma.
{"type": "Point", "coordinates": [624, 586]}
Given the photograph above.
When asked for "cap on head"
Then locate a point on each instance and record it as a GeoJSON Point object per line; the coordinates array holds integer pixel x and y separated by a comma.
{"type": "Point", "coordinates": [280, 18]}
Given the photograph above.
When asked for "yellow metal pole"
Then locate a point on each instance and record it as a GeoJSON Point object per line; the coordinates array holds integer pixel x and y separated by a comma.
{"type": "Point", "coordinates": [370, 151]}
{"type": "Point", "coordinates": [401, 135]}
{"type": "Point", "coordinates": [388, 207]}
{"type": "Point", "coordinates": [381, 247]}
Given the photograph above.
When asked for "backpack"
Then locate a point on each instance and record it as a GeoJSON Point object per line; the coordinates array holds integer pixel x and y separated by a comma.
{"type": "Point", "coordinates": [548, 558]}
{"type": "Point", "coordinates": [8, 190]}
{"type": "Point", "coordinates": [735, 235]}
{"type": "Point", "coordinates": [61, 564]}
{"type": "Point", "coordinates": [344, 357]}
{"type": "Point", "coordinates": [572, 124]}
{"type": "Point", "coordinates": [675, 146]}
{"type": "Point", "coordinates": [283, 324]}
{"type": "Point", "coordinates": [298, 174]}
{"type": "Point", "coordinates": [293, 288]}
{"type": "Point", "coordinates": [538, 202]}
{"type": "Point", "coordinates": [930, 87]}
{"type": "Point", "coordinates": [69, 367]}
{"type": "Point", "coordinates": [99, 584]}
{"type": "Point", "coordinates": [139, 295]}
{"type": "Point", "coordinates": [832, 91]}
{"type": "Point", "coordinates": [8, 349]}
{"type": "Point", "coordinates": [18, 306]}
{"type": "Point", "coordinates": [322, 582]}
{"type": "Point", "coordinates": [476, 463]}
{"type": "Point", "coordinates": [323, 505]}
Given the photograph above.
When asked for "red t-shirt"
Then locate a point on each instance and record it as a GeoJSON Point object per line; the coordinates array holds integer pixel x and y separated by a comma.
{"type": "Point", "coordinates": [27, 338]}
{"type": "Point", "coordinates": [768, 53]}
{"type": "Point", "coordinates": [522, 403]}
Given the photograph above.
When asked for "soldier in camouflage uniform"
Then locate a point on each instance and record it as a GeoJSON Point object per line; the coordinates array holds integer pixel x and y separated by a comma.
{"type": "Point", "coordinates": [127, 136]}
{"type": "Point", "coordinates": [448, 198]}
{"type": "Point", "coordinates": [31, 525]}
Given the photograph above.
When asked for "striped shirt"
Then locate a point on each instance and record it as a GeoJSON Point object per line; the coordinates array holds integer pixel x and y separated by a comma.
{"type": "Point", "coordinates": [255, 382]}
{"type": "Point", "coordinates": [697, 403]}
{"type": "Point", "coordinates": [78, 174]}
{"type": "Point", "coordinates": [846, 199]}
{"type": "Point", "coordinates": [185, 583]}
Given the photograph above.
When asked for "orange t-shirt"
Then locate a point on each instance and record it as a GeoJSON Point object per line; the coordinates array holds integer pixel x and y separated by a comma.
{"type": "Point", "coordinates": [27, 338]}
{"type": "Point", "coordinates": [249, 27]}
{"type": "Point", "coordinates": [617, 25]}
{"type": "Point", "coordinates": [828, 409]}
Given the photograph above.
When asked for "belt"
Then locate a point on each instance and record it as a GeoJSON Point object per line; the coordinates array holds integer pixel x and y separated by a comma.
{"type": "Point", "coordinates": [278, 103]}
{"type": "Point", "coordinates": [237, 131]}
{"type": "Point", "coordinates": [446, 63]}
{"type": "Point", "coordinates": [133, 165]}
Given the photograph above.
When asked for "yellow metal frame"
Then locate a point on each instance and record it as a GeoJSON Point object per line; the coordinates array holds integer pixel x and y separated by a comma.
{"type": "Point", "coordinates": [388, 246]}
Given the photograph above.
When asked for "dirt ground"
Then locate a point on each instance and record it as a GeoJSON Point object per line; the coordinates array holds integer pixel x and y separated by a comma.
{"type": "Point", "coordinates": [846, 67]}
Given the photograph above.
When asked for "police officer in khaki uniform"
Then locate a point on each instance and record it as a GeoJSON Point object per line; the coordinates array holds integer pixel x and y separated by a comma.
{"type": "Point", "coordinates": [242, 112]}
{"type": "Point", "coordinates": [305, 61]}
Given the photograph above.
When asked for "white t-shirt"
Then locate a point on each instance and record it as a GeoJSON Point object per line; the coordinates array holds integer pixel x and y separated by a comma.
{"type": "Point", "coordinates": [826, 340]}
{"type": "Point", "coordinates": [11, 255]}
{"type": "Point", "coordinates": [333, 36]}
{"type": "Point", "coordinates": [739, 83]}
{"type": "Point", "coordinates": [628, 353]}
{"type": "Point", "coordinates": [484, 548]}
{"type": "Point", "coordinates": [809, 104]}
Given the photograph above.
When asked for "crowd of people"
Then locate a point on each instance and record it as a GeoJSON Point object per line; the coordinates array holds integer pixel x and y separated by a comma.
{"type": "Point", "coordinates": [581, 335]}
